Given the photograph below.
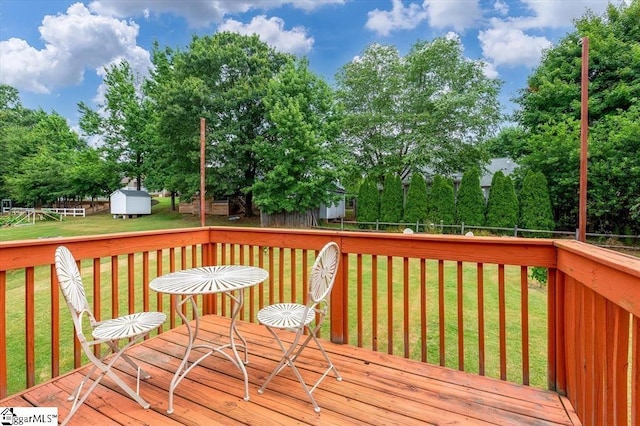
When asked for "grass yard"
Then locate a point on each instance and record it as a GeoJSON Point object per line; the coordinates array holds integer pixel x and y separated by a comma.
{"type": "Point", "coordinates": [359, 334]}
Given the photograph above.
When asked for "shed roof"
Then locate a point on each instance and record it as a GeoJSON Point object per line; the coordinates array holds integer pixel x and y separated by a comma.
{"type": "Point", "coordinates": [133, 193]}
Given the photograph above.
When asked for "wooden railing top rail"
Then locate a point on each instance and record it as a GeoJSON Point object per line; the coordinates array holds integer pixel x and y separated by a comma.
{"type": "Point", "coordinates": [515, 251]}
{"type": "Point", "coordinates": [613, 275]}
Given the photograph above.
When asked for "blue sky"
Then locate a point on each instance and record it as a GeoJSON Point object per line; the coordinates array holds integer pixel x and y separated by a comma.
{"type": "Point", "coordinates": [54, 52]}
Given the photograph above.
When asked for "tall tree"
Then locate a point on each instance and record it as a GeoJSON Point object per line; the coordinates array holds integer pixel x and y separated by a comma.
{"type": "Point", "coordinates": [391, 201]}
{"type": "Point", "coordinates": [430, 109]}
{"type": "Point", "coordinates": [442, 205]}
{"type": "Point", "coordinates": [121, 121]}
{"type": "Point", "coordinates": [550, 113]}
{"type": "Point", "coordinates": [470, 200]}
{"type": "Point", "coordinates": [535, 206]}
{"type": "Point", "coordinates": [223, 79]}
{"type": "Point", "coordinates": [298, 156]}
{"type": "Point", "coordinates": [368, 203]}
{"type": "Point", "coordinates": [415, 208]}
{"type": "Point", "coordinates": [502, 205]}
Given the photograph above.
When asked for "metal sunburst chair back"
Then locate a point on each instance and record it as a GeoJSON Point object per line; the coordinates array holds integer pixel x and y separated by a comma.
{"type": "Point", "coordinates": [298, 318]}
{"type": "Point", "coordinates": [131, 328]}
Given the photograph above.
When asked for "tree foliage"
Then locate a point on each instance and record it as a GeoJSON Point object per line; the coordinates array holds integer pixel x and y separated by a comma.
{"type": "Point", "coordinates": [415, 208]}
{"type": "Point", "coordinates": [550, 112]}
{"type": "Point", "coordinates": [429, 109]}
{"type": "Point", "coordinates": [122, 121]}
{"type": "Point", "coordinates": [535, 206]}
{"type": "Point", "coordinates": [391, 200]}
{"type": "Point", "coordinates": [222, 78]}
{"type": "Point", "coordinates": [470, 205]}
{"type": "Point", "coordinates": [441, 201]}
{"type": "Point", "coordinates": [297, 155]}
{"type": "Point", "coordinates": [368, 206]}
{"type": "Point", "coordinates": [502, 204]}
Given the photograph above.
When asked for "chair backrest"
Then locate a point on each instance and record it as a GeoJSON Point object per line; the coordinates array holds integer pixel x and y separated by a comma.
{"type": "Point", "coordinates": [71, 285]}
{"type": "Point", "coordinates": [323, 273]}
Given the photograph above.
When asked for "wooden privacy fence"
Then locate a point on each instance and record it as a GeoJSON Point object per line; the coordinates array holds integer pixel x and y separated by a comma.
{"type": "Point", "coordinates": [459, 302]}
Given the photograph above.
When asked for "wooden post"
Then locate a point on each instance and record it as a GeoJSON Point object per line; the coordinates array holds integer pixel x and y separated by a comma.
{"type": "Point", "coordinates": [202, 180]}
{"type": "Point", "coordinates": [584, 133]}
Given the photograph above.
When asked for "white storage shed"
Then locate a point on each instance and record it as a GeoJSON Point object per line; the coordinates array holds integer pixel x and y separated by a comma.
{"type": "Point", "coordinates": [336, 210]}
{"type": "Point", "coordinates": [128, 203]}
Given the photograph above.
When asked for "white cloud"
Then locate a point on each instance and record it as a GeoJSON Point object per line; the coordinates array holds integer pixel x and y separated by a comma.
{"type": "Point", "coordinates": [557, 14]}
{"type": "Point", "coordinates": [501, 7]}
{"type": "Point", "coordinates": [398, 18]}
{"type": "Point", "coordinates": [272, 32]}
{"type": "Point", "coordinates": [490, 70]}
{"type": "Point", "coordinates": [456, 14]}
{"type": "Point", "coordinates": [71, 41]}
{"type": "Point", "coordinates": [198, 13]}
{"type": "Point", "coordinates": [504, 45]}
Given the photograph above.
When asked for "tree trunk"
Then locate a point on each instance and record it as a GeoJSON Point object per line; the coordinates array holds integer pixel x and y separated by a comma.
{"type": "Point", "coordinates": [248, 208]}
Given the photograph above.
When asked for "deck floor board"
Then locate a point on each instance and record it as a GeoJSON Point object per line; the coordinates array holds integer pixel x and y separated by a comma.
{"type": "Point", "coordinates": [378, 388]}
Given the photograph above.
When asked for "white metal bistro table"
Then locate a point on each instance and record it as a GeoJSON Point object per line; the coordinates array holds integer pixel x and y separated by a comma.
{"type": "Point", "coordinates": [228, 279]}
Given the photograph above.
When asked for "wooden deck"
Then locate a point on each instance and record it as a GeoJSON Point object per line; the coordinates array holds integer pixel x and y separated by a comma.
{"type": "Point", "coordinates": [377, 389]}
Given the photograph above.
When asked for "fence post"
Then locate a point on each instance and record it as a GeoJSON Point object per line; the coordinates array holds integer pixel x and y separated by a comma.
{"type": "Point", "coordinates": [377, 224]}
{"type": "Point", "coordinates": [417, 226]}
{"type": "Point", "coordinates": [461, 228]}
{"type": "Point", "coordinates": [441, 226]}
{"type": "Point", "coordinates": [515, 231]}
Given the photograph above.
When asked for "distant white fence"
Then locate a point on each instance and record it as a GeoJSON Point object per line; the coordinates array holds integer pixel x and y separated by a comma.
{"type": "Point", "coordinates": [81, 212]}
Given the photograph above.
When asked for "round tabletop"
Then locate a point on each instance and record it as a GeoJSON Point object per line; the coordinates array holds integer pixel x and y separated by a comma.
{"type": "Point", "coordinates": [209, 279]}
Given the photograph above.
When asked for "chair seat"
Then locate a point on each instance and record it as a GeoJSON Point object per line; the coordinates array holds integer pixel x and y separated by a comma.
{"type": "Point", "coordinates": [284, 315]}
{"type": "Point", "coordinates": [128, 326]}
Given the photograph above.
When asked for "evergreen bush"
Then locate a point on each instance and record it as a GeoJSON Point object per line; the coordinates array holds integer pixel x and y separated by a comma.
{"type": "Point", "coordinates": [470, 200]}
{"type": "Point", "coordinates": [415, 208]}
{"type": "Point", "coordinates": [441, 205]}
{"type": "Point", "coordinates": [502, 205]}
{"type": "Point", "coordinates": [535, 205]}
{"type": "Point", "coordinates": [391, 202]}
{"type": "Point", "coordinates": [368, 207]}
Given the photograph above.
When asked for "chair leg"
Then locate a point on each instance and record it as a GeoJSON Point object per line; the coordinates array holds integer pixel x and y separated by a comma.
{"type": "Point", "coordinates": [288, 359]}
{"type": "Point", "coordinates": [128, 360]}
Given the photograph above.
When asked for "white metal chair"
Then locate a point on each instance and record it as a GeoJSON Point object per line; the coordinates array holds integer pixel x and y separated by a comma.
{"type": "Point", "coordinates": [298, 318]}
{"type": "Point", "coordinates": [131, 327]}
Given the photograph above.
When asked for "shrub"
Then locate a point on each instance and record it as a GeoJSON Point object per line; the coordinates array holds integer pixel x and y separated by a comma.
{"type": "Point", "coordinates": [535, 206]}
{"type": "Point", "coordinates": [368, 207]}
{"type": "Point", "coordinates": [415, 209]}
{"type": "Point", "coordinates": [391, 200]}
{"type": "Point", "coordinates": [441, 202]}
{"type": "Point", "coordinates": [502, 206]}
{"type": "Point", "coordinates": [470, 201]}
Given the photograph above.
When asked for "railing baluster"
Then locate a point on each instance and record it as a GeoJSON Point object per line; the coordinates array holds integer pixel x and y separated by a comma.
{"type": "Point", "coordinates": [359, 299]}
{"type": "Point", "coordinates": [374, 302]}
{"type": "Point", "coordinates": [131, 281]}
{"type": "Point", "coordinates": [441, 322]}
{"type": "Point", "coordinates": [460, 298]}
{"type": "Point", "coordinates": [423, 309]}
{"type": "Point", "coordinates": [390, 305]}
{"type": "Point", "coordinates": [3, 334]}
{"type": "Point", "coordinates": [524, 314]}
{"type": "Point", "coordinates": [30, 312]}
{"type": "Point", "coordinates": [502, 323]}
{"type": "Point", "coordinates": [55, 322]}
{"type": "Point", "coordinates": [481, 332]}
{"type": "Point", "coordinates": [405, 296]}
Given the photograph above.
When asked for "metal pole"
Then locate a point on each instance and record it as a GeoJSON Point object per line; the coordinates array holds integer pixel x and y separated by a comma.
{"type": "Point", "coordinates": [202, 180]}
{"type": "Point", "coordinates": [584, 133]}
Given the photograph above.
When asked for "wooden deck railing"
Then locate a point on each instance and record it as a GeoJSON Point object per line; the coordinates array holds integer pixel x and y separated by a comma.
{"type": "Point", "coordinates": [460, 302]}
